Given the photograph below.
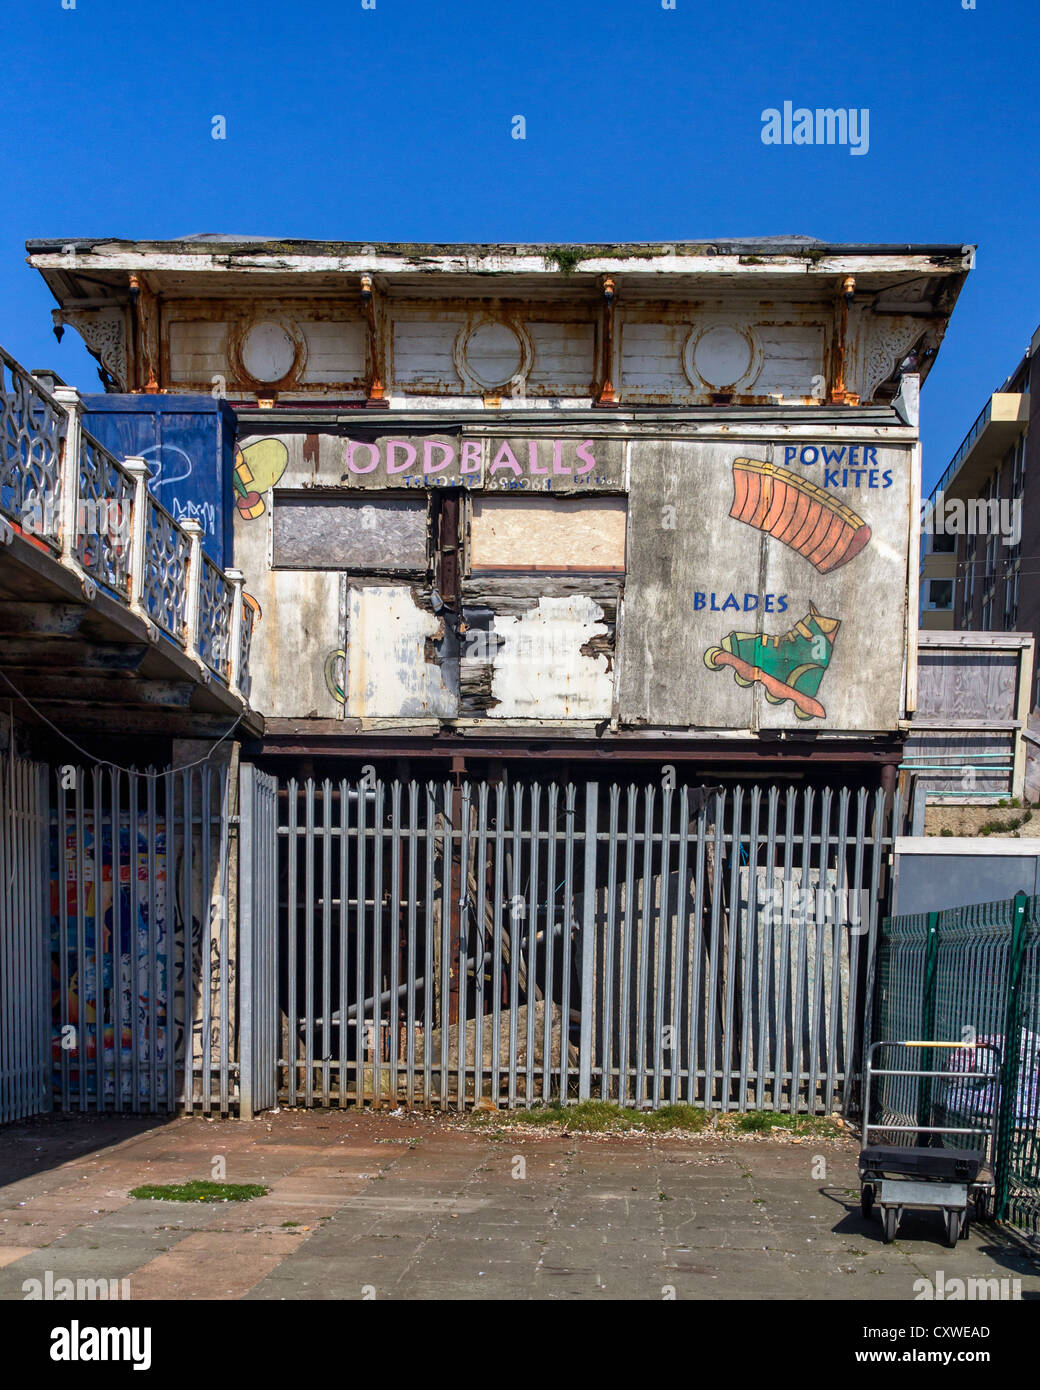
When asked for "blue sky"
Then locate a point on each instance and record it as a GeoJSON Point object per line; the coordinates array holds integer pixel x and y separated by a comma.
{"type": "Point", "coordinates": [643, 123]}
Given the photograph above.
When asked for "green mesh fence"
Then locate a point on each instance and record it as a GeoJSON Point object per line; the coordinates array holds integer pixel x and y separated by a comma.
{"type": "Point", "coordinates": [968, 975]}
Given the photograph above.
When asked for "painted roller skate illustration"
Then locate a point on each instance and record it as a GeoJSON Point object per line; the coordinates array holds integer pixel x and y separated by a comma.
{"type": "Point", "coordinates": [809, 519]}
{"type": "Point", "coordinates": [789, 667]}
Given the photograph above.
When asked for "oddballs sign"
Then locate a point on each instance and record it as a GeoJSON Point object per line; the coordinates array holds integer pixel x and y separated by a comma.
{"type": "Point", "coordinates": [544, 464]}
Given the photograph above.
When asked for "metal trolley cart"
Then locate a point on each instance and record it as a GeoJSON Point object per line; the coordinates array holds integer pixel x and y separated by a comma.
{"type": "Point", "coordinates": [929, 1174]}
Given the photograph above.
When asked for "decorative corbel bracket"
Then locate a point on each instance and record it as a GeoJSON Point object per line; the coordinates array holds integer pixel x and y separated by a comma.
{"type": "Point", "coordinates": [606, 397]}
{"type": "Point", "coordinates": [375, 392]}
{"type": "Point", "coordinates": [146, 336]}
{"type": "Point", "coordinates": [838, 394]}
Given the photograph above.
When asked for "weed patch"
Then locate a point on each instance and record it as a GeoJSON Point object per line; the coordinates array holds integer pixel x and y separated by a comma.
{"type": "Point", "coordinates": [199, 1190]}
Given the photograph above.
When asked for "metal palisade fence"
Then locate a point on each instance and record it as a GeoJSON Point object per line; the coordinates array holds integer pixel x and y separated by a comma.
{"type": "Point", "coordinates": [25, 1030]}
{"type": "Point", "coordinates": [384, 942]}
{"type": "Point", "coordinates": [440, 944]}
{"type": "Point", "coordinates": [969, 975]}
{"type": "Point", "coordinates": [117, 958]}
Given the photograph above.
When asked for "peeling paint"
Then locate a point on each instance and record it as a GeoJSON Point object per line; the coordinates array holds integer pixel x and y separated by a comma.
{"type": "Point", "coordinates": [389, 672]}
{"type": "Point", "coordinates": [542, 668]}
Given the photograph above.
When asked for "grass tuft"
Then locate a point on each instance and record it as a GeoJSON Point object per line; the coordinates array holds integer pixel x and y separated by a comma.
{"type": "Point", "coordinates": [566, 259]}
{"type": "Point", "coordinates": [199, 1190]}
{"type": "Point", "coordinates": [764, 1121]}
{"type": "Point", "coordinates": [600, 1117]}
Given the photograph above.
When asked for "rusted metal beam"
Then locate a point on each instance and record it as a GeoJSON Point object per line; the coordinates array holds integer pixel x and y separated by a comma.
{"type": "Point", "coordinates": [144, 369]}
{"type": "Point", "coordinates": [837, 394]}
{"type": "Point", "coordinates": [606, 396]}
{"type": "Point", "coordinates": [758, 753]}
{"type": "Point", "coordinates": [375, 390]}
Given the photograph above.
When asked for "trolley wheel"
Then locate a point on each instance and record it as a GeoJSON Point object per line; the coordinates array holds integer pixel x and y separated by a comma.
{"type": "Point", "coordinates": [980, 1204]}
{"type": "Point", "coordinates": [965, 1225]}
{"type": "Point", "coordinates": [866, 1200]}
{"type": "Point", "coordinates": [954, 1221]}
{"type": "Point", "coordinates": [890, 1224]}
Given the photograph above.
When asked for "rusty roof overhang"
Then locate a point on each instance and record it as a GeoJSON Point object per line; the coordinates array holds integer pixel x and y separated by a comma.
{"type": "Point", "coordinates": [84, 272]}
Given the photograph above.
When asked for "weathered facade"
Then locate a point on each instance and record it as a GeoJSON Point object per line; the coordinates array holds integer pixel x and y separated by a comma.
{"type": "Point", "coordinates": [518, 529]}
{"type": "Point", "coordinates": [569, 501]}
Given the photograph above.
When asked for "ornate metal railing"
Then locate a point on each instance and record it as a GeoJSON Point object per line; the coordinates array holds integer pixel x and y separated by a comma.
{"type": "Point", "coordinates": [215, 614]}
{"type": "Point", "coordinates": [66, 491]}
{"type": "Point", "coordinates": [167, 560]}
{"type": "Point", "coordinates": [104, 517]}
{"type": "Point", "coordinates": [250, 617]}
{"type": "Point", "coordinates": [33, 427]}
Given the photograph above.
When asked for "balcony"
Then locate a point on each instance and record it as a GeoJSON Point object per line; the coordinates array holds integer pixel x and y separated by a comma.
{"type": "Point", "coordinates": [111, 615]}
{"type": "Point", "coordinates": [1002, 419]}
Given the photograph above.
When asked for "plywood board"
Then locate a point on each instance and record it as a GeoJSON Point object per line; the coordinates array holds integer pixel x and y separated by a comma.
{"type": "Point", "coordinates": [561, 534]}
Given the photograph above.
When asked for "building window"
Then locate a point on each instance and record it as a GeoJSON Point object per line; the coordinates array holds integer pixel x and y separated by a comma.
{"type": "Point", "coordinates": [968, 595]}
{"type": "Point", "coordinates": [987, 612]}
{"type": "Point", "coordinates": [945, 544]}
{"type": "Point", "coordinates": [940, 593]}
{"type": "Point", "coordinates": [1018, 467]}
{"type": "Point", "coordinates": [1011, 599]}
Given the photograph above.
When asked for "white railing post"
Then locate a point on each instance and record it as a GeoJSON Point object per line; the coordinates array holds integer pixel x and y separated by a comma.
{"type": "Point", "coordinates": [193, 530]}
{"type": "Point", "coordinates": [68, 398]}
{"type": "Point", "coordinates": [138, 470]}
{"type": "Point", "coordinates": [234, 662]}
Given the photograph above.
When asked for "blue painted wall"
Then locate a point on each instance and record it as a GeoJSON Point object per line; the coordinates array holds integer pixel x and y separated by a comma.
{"type": "Point", "coordinates": [188, 443]}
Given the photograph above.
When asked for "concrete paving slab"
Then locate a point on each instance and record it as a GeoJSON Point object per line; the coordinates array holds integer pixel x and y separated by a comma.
{"type": "Point", "coordinates": [418, 1207]}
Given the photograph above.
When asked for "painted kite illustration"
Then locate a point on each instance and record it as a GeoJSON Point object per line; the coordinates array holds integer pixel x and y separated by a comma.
{"type": "Point", "coordinates": [806, 517]}
{"type": "Point", "coordinates": [789, 667]}
{"type": "Point", "coordinates": [257, 467]}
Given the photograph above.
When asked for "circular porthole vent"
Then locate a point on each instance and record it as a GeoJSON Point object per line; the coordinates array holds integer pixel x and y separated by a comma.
{"type": "Point", "coordinates": [722, 357]}
{"type": "Point", "coordinates": [271, 352]}
{"type": "Point", "coordinates": [493, 355]}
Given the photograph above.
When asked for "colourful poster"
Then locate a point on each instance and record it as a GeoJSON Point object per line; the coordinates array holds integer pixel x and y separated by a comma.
{"type": "Point", "coordinates": [124, 937]}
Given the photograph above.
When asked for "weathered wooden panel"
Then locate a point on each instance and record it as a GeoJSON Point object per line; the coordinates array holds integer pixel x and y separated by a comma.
{"type": "Point", "coordinates": [300, 625]}
{"type": "Point", "coordinates": [395, 662]}
{"type": "Point", "coordinates": [793, 363]}
{"type": "Point", "coordinates": [967, 683]}
{"type": "Point", "coordinates": [325, 532]}
{"type": "Point", "coordinates": [564, 358]}
{"type": "Point", "coordinates": [552, 662]}
{"type": "Point", "coordinates": [548, 533]}
{"type": "Point", "coordinates": [757, 356]}
{"type": "Point", "coordinates": [424, 351]}
{"type": "Point", "coordinates": [764, 584]}
{"type": "Point", "coordinates": [198, 349]}
{"type": "Point", "coordinates": [335, 351]}
{"type": "Point", "coordinates": [651, 357]}
{"type": "Point", "coordinates": [970, 762]}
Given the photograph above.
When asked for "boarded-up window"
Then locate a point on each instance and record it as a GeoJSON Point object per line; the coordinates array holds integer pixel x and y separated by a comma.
{"type": "Point", "coordinates": [327, 532]}
{"type": "Point", "coordinates": [563, 534]}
